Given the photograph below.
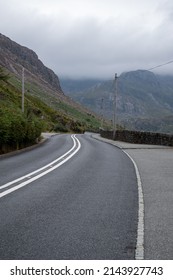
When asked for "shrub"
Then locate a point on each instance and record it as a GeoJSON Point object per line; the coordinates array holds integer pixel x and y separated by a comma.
{"type": "Point", "coordinates": [16, 130]}
{"type": "Point", "coordinates": [3, 75]}
{"type": "Point", "coordinates": [60, 127]}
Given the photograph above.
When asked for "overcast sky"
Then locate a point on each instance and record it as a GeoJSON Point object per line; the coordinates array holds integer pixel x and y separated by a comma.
{"type": "Point", "coordinates": [93, 38]}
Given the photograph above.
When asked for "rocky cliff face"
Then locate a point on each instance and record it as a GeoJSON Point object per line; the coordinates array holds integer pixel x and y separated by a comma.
{"type": "Point", "coordinates": [13, 56]}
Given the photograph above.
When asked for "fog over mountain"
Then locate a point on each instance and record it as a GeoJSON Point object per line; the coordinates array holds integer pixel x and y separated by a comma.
{"type": "Point", "coordinates": [144, 99]}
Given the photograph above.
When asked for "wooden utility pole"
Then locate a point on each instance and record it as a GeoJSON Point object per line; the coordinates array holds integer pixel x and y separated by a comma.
{"type": "Point", "coordinates": [114, 106]}
{"type": "Point", "coordinates": [23, 89]}
{"type": "Point", "coordinates": [102, 100]}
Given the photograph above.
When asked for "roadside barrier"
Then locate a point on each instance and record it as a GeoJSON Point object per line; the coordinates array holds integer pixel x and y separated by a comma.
{"type": "Point", "coordinates": [139, 137]}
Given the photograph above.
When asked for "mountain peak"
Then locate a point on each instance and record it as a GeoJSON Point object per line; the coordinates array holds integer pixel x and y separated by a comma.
{"type": "Point", "coordinates": [13, 56]}
{"type": "Point", "coordinates": [139, 74]}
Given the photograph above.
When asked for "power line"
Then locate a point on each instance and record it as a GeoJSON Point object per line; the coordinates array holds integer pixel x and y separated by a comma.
{"type": "Point", "coordinates": [160, 65]}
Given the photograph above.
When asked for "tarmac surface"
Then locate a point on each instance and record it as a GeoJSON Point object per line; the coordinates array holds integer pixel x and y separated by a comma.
{"type": "Point", "coordinates": [155, 165]}
{"type": "Point", "coordinates": [73, 198]}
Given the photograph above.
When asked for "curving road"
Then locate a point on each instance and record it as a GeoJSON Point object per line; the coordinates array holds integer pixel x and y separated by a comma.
{"type": "Point", "coordinates": [154, 164]}
{"type": "Point", "coordinates": [85, 206]}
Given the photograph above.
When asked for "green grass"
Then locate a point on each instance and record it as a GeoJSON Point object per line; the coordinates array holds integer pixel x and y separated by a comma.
{"type": "Point", "coordinates": [44, 111]}
{"type": "Point", "coordinates": [39, 94]}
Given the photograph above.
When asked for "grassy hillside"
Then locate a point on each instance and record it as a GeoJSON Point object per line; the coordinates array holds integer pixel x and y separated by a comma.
{"type": "Point", "coordinates": [43, 112]}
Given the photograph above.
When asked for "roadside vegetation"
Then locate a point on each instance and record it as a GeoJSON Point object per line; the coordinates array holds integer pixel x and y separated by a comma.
{"type": "Point", "coordinates": [18, 130]}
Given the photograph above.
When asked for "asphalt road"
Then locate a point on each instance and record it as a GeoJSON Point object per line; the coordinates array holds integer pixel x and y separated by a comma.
{"type": "Point", "coordinates": [155, 167]}
{"type": "Point", "coordinates": [84, 209]}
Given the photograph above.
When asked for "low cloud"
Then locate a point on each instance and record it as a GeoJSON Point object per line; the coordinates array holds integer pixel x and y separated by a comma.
{"type": "Point", "coordinates": [75, 41]}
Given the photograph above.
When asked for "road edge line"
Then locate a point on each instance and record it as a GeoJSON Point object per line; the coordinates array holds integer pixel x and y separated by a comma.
{"type": "Point", "coordinates": [139, 252]}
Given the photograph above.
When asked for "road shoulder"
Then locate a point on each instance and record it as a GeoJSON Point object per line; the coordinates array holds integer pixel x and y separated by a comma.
{"type": "Point", "coordinates": [155, 168]}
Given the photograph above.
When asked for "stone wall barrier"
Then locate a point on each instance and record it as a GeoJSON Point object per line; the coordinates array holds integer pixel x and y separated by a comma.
{"type": "Point", "coordinates": [138, 137]}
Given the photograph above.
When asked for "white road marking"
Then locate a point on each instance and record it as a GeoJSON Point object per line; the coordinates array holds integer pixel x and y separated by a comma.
{"type": "Point", "coordinates": [40, 169]}
{"type": "Point", "coordinates": [139, 253]}
{"type": "Point", "coordinates": [12, 189]}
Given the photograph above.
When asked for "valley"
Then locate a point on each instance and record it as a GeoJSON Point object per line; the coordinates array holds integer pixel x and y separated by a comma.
{"type": "Point", "coordinates": [144, 99]}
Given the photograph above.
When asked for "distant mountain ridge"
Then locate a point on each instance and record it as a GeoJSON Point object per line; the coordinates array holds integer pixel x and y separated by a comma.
{"type": "Point", "coordinates": [144, 100]}
{"type": "Point", "coordinates": [78, 85]}
{"type": "Point", "coordinates": [13, 55]}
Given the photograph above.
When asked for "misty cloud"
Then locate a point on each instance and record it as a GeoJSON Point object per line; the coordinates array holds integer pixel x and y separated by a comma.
{"type": "Point", "coordinates": [92, 38]}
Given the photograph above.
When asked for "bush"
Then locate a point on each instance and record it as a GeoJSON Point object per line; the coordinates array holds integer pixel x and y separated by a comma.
{"type": "Point", "coordinates": [77, 127]}
{"type": "Point", "coordinates": [33, 130]}
{"type": "Point", "coordinates": [3, 75]}
{"type": "Point", "coordinates": [60, 127]}
{"type": "Point", "coordinates": [16, 130]}
{"type": "Point", "coordinates": [12, 126]}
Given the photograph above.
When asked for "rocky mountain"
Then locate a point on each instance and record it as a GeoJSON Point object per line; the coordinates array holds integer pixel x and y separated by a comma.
{"type": "Point", "coordinates": [73, 86]}
{"type": "Point", "coordinates": [44, 85]}
{"type": "Point", "coordinates": [144, 100]}
{"type": "Point", "coordinates": [13, 56]}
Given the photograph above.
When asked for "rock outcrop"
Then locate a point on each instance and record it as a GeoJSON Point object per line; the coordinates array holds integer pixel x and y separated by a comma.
{"type": "Point", "coordinates": [13, 56]}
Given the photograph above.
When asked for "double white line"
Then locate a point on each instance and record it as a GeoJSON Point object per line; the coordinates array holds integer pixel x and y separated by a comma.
{"type": "Point", "coordinates": [28, 178]}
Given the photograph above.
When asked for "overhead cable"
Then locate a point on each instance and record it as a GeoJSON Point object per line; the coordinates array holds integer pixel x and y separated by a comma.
{"type": "Point", "coordinates": [171, 61]}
